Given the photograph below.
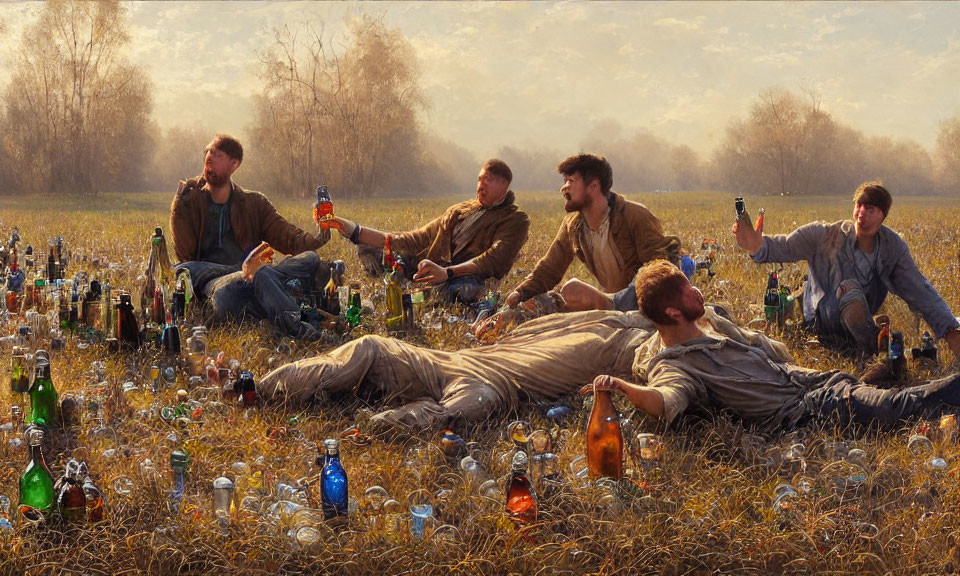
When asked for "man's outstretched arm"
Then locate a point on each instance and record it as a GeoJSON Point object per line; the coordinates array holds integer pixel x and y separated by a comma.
{"type": "Point", "coordinates": [647, 399]}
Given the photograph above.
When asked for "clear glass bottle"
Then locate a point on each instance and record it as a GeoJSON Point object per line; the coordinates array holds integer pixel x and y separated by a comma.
{"type": "Point", "coordinates": [197, 350]}
{"type": "Point", "coordinates": [222, 498]}
{"type": "Point", "coordinates": [19, 372]}
{"type": "Point", "coordinates": [71, 500]}
{"type": "Point", "coordinates": [94, 497]}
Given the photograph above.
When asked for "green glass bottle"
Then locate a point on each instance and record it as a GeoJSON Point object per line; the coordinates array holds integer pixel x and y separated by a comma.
{"type": "Point", "coordinates": [354, 305]}
{"type": "Point", "coordinates": [36, 484]}
{"type": "Point", "coordinates": [44, 400]}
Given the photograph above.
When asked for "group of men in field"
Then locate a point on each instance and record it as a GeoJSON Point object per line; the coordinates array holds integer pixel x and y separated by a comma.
{"type": "Point", "coordinates": [646, 334]}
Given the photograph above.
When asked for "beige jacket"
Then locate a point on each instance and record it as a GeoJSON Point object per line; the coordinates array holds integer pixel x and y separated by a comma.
{"type": "Point", "coordinates": [637, 236]}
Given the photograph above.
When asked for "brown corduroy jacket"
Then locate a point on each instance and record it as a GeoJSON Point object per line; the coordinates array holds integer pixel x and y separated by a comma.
{"type": "Point", "coordinates": [252, 217]}
{"type": "Point", "coordinates": [500, 234]}
{"type": "Point", "coordinates": [637, 236]}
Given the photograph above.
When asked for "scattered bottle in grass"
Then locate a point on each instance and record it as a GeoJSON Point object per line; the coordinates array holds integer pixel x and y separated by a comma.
{"type": "Point", "coordinates": [521, 497]}
{"type": "Point", "coordinates": [333, 482]}
{"type": "Point", "coordinates": [36, 483]}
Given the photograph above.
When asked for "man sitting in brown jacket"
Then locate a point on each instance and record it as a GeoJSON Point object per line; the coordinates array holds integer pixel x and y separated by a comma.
{"type": "Point", "coordinates": [219, 228]}
{"type": "Point", "coordinates": [470, 242]}
{"type": "Point", "coordinates": [613, 236]}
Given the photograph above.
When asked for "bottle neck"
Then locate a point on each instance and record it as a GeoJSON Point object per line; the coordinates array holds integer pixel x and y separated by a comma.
{"type": "Point", "coordinates": [36, 455]}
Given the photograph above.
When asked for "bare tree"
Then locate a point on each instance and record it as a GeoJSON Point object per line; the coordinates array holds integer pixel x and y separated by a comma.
{"type": "Point", "coordinates": [948, 156]}
{"type": "Point", "coordinates": [75, 112]}
{"type": "Point", "coordinates": [179, 155]}
{"type": "Point", "coordinates": [340, 118]}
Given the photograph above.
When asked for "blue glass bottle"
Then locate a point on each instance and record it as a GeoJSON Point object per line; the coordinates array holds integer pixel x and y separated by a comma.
{"type": "Point", "coordinates": [333, 482]}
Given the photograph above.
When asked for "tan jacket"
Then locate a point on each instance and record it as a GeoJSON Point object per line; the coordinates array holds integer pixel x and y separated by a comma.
{"type": "Point", "coordinates": [500, 234]}
{"type": "Point", "coordinates": [252, 217]}
{"type": "Point", "coordinates": [637, 236]}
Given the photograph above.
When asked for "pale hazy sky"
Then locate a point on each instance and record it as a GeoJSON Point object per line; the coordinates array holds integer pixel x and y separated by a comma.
{"type": "Point", "coordinates": [542, 74]}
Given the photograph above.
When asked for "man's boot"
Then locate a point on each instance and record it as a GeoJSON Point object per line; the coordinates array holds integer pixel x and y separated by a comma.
{"type": "Point", "coordinates": [858, 321]}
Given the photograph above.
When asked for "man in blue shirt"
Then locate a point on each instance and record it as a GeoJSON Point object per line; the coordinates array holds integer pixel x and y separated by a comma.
{"type": "Point", "coordinates": [852, 267]}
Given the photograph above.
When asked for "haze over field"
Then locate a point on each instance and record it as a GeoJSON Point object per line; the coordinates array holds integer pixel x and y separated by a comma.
{"type": "Point", "coordinates": [555, 77]}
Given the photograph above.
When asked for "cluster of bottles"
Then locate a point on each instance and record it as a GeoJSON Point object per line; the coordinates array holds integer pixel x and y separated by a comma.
{"type": "Point", "coordinates": [24, 286]}
{"type": "Point", "coordinates": [74, 498]}
{"type": "Point", "coordinates": [400, 312]}
{"type": "Point", "coordinates": [91, 309]}
{"type": "Point", "coordinates": [779, 306]}
{"type": "Point", "coordinates": [892, 349]}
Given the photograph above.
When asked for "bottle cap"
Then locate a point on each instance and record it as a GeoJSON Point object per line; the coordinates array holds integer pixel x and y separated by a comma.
{"type": "Point", "coordinates": [35, 437]}
{"type": "Point", "coordinates": [332, 445]}
{"type": "Point", "coordinates": [519, 461]}
{"type": "Point", "coordinates": [223, 483]}
{"type": "Point", "coordinates": [179, 460]}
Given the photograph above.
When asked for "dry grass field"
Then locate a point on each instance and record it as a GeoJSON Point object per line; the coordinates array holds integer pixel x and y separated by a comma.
{"type": "Point", "coordinates": [706, 505]}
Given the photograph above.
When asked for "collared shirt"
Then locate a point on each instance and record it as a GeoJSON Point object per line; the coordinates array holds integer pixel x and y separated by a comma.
{"type": "Point", "coordinates": [603, 252]}
{"type": "Point", "coordinates": [829, 249]}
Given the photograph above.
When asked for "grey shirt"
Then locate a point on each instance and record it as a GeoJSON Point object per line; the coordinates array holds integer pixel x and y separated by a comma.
{"type": "Point", "coordinates": [829, 250]}
{"type": "Point", "coordinates": [753, 380]}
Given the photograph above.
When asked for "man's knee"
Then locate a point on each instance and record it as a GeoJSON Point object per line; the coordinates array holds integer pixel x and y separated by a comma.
{"type": "Point", "coordinates": [229, 301]}
{"type": "Point", "coordinates": [470, 399]}
{"type": "Point", "coordinates": [579, 295]}
{"type": "Point", "coordinates": [848, 292]}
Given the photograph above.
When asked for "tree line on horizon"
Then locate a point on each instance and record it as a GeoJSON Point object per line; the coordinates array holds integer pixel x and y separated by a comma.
{"type": "Point", "coordinates": [76, 118]}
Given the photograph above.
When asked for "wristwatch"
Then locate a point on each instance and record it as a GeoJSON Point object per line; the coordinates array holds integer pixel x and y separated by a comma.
{"type": "Point", "coordinates": [450, 273]}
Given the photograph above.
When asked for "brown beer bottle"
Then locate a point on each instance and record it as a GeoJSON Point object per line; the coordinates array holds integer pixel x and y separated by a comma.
{"type": "Point", "coordinates": [604, 441]}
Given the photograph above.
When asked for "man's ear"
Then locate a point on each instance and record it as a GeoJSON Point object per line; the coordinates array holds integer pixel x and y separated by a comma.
{"type": "Point", "coordinates": [594, 186]}
{"type": "Point", "coordinates": [673, 313]}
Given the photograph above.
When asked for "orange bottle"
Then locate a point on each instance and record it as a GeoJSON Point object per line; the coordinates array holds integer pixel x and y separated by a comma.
{"type": "Point", "coordinates": [323, 208]}
{"type": "Point", "coordinates": [883, 339]}
{"type": "Point", "coordinates": [521, 497]}
{"type": "Point", "coordinates": [604, 441]}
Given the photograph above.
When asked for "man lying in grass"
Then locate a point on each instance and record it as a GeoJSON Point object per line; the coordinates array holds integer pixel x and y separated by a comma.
{"type": "Point", "coordinates": [697, 370]}
{"type": "Point", "coordinates": [545, 359]}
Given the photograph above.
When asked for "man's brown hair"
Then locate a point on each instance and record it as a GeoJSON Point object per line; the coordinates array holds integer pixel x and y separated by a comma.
{"type": "Point", "coordinates": [229, 146]}
{"type": "Point", "coordinates": [873, 194]}
{"type": "Point", "coordinates": [658, 286]}
{"type": "Point", "coordinates": [590, 167]}
{"type": "Point", "coordinates": [498, 167]}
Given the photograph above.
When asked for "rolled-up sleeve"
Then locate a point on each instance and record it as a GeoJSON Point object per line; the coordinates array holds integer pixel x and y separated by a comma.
{"type": "Point", "coordinates": [678, 389]}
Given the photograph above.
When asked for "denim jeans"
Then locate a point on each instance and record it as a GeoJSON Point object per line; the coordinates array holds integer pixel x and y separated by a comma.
{"type": "Point", "coordinates": [230, 297]}
{"type": "Point", "coordinates": [852, 401]}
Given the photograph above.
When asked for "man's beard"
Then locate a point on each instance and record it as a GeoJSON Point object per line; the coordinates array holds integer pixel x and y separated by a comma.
{"type": "Point", "coordinates": [692, 314]}
{"type": "Point", "coordinates": [215, 179]}
{"type": "Point", "coordinates": [572, 206]}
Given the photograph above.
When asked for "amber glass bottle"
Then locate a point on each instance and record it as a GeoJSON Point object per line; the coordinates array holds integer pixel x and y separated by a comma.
{"type": "Point", "coordinates": [604, 441]}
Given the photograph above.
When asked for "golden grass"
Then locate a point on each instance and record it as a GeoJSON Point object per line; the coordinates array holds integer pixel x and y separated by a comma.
{"type": "Point", "coordinates": [706, 506]}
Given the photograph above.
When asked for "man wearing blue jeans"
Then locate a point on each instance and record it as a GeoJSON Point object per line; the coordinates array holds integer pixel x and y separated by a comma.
{"type": "Point", "coordinates": [219, 228]}
{"type": "Point", "coordinates": [853, 265]}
